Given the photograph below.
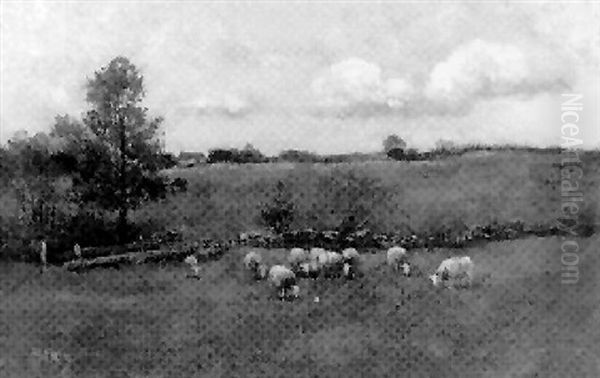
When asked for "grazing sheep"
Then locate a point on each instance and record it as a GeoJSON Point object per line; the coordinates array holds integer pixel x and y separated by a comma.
{"type": "Point", "coordinates": [308, 269]}
{"type": "Point", "coordinates": [295, 291]}
{"type": "Point", "coordinates": [252, 260]}
{"type": "Point", "coordinates": [253, 263]}
{"type": "Point", "coordinates": [316, 252]}
{"type": "Point", "coordinates": [396, 256]}
{"type": "Point", "coordinates": [351, 255]}
{"type": "Point", "coordinates": [283, 279]}
{"type": "Point", "coordinates": [405, 269]}
{"type": "Point", "coordinates": [261, 272]}
{"type": "Point", "coordinates": [297, 256]}
{"type": "Point", "coordinates": [349, 271]}
{"type": "Point", "coordinates": [334, 258]}
{"type": "Point", "coordinates": [192, 261]}
{"type": "Point", "coordinates": [331, 263]}
{"type": "Point", "coordinates": [454, 271]}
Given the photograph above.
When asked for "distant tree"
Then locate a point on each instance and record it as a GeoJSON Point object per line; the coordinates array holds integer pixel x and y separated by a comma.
{"type": "Point", "coordinates": [444, 144]}
{"type": "Point", "coordinates": [298, 156]}
{"type": "Point", "coordinates": [121, 163]}
{"type": "Point", "coordinates": [393, 142]}
{"type": "Point", "coordinates": [221, 155]}
{"type": "Point", "coordinates": [250, 154]}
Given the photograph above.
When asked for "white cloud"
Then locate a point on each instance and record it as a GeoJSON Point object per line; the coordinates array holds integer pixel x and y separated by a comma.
{"type": "Point", "coordinates": [226, 105]}
{"type": "Point", "coordinates": [480, 69]}
{"type": "Point", "coordinates": [399, 93]}
{"type": "Point", "coordinates": [473, 72]}
{"type": "Point", "coordinates": [356, 86]}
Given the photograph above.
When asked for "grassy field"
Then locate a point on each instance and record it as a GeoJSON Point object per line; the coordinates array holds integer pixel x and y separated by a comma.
{"type": "Point", "coordinates": [152, 321]}
{"type": "Point", "coordinates": [476, 188]}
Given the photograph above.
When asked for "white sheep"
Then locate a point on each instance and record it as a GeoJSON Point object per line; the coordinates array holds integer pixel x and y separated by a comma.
{"type": "Point", "coordinates": [77, 250]}
{"type": "Point", "coordinates": [396, 256]}
{"type": "Point", "coordinates": [192, 261]}
{"type": "Point", "coordinates": [284, 280]}
{"type": "Point", "coordinates": [297, 256]}
{"type": "Point", "coordinates": [252, 260]}
{"type": "Point", "coordinates": [316, 252]}
{"type": "Point", "coordinates": [405, 269]}
{"type": "Point", "coordinates": [456, 271]}
{"type": "Point", "coordinates": [329, 258]}
{"type": "Point", "coordinates": [331, 263]}
{"type": "Point", "coordinates": [349, 270]}
{"type": "Point", "coordinates": [309, 269]}
{"type": "Point", "coordinates": [351, 255]}
{"type": "Point", "coordinates": [261, 272]}
{"type": "Point", "coordinates": [295, 289]}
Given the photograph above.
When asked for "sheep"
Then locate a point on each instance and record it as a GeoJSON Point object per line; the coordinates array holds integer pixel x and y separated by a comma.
{"type": "Point", "coordinates": [297, 256]}
{"type": "Point", "coordinates": [253, 263]}
{"type": "Point", "coordinates": [77, 250]}
{"type": "Point", "coordinates": [192, 261]}
{"type": "Point", "coordinates": [284, 280]}
{"type": "Point", "coordinates": [405, 269]}
{"type": "Point", "coordinates": [295, 289]}
{"type": "Point", "coordinates": [351, 261]}
{"type": "Point", "coordinates": [261, 272]}
{"type": "Point", "coordinates": [331, 258]}
{"type": "Point", "coordinates": [457, 271]}
{"type": "Point", "coordinates": [396, 256]}
{"type": "Point", "coordinates": [350, 255]}
{"type": "Point", "coordinates": [331, 263]}
{"type": "Point", "coordinates": [315, 253]}
{"type": "Point", "coordinates": [349, 271]}
{"type": "Point", "coordinates": [308, 269]}
{"type": "Point", "coordinates": [252, 260]}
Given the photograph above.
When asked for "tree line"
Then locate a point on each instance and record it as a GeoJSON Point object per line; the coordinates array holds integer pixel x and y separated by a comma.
{"type": "Point", "coordinates": [62, 184]}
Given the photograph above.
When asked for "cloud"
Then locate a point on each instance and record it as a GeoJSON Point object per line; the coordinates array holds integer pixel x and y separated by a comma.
{"type": "Point", "coordinates": [482, 70]}
{"type": "Point", "coordinates": [228, 105]}
{"type": "Point", "coordinates": [574, 28]}
{"type": "Point", "coordinates": [472, 72]}
{"type": "Point", "coordinates": [355, 86]}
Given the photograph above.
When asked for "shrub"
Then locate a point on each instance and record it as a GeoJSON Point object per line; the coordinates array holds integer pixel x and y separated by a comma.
{"type": "Point", "coordinates": [298, 156]}
{"type": "Point", "coordinates": [279, 213]}
{"type": "Point", "coordinates": [220, 156]}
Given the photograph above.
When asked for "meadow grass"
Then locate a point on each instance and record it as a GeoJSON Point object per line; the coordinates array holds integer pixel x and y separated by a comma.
{"type": "Point", "coordinates": [152, 321]}
{"type": "Point", "coordinates": [223, 199]}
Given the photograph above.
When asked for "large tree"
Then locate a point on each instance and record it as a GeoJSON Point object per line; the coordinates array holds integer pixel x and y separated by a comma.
{"type": "Point", "coordinates": [124, 159]}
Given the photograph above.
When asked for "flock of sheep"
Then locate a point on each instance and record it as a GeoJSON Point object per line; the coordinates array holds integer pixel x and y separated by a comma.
{"type": "Point", "coordinates": [318, 262]}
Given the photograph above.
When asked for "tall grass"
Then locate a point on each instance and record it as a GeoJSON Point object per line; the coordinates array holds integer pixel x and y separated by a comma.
{"type": "Point", "coordinates": [151, 321]}
{"type": "Point", "coordinates": [223, 200]}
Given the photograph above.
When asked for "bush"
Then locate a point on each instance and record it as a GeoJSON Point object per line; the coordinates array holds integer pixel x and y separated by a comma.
{"type": "Point", "coordinates": [298, 156]}
{"type": "Point", "coordinates": [178, 185]}
{"type": "Point", "coordinates": [220, 156]}
{"type": "Point", "coordinates": [279, 213]}
{"type": "Point", "coordinates": [248, 155]}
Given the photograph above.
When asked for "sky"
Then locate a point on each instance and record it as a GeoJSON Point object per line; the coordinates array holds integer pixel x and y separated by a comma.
{"type": "Point", "coordinates": [321, 76]}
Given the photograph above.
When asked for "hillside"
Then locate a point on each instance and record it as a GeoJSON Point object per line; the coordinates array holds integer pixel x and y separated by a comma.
{"type": "Point", "coordinates": [476, 188]}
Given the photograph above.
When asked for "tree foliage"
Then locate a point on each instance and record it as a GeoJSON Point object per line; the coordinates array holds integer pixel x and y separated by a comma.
{"type": "Point", "coordinates": [249, 154]}
{"type": "Point", "coordinates": [278, 214]}
{"type": "Point", "coordinates": [119, 167]}
{"type": "Point", "coordinates": [393, 142]}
